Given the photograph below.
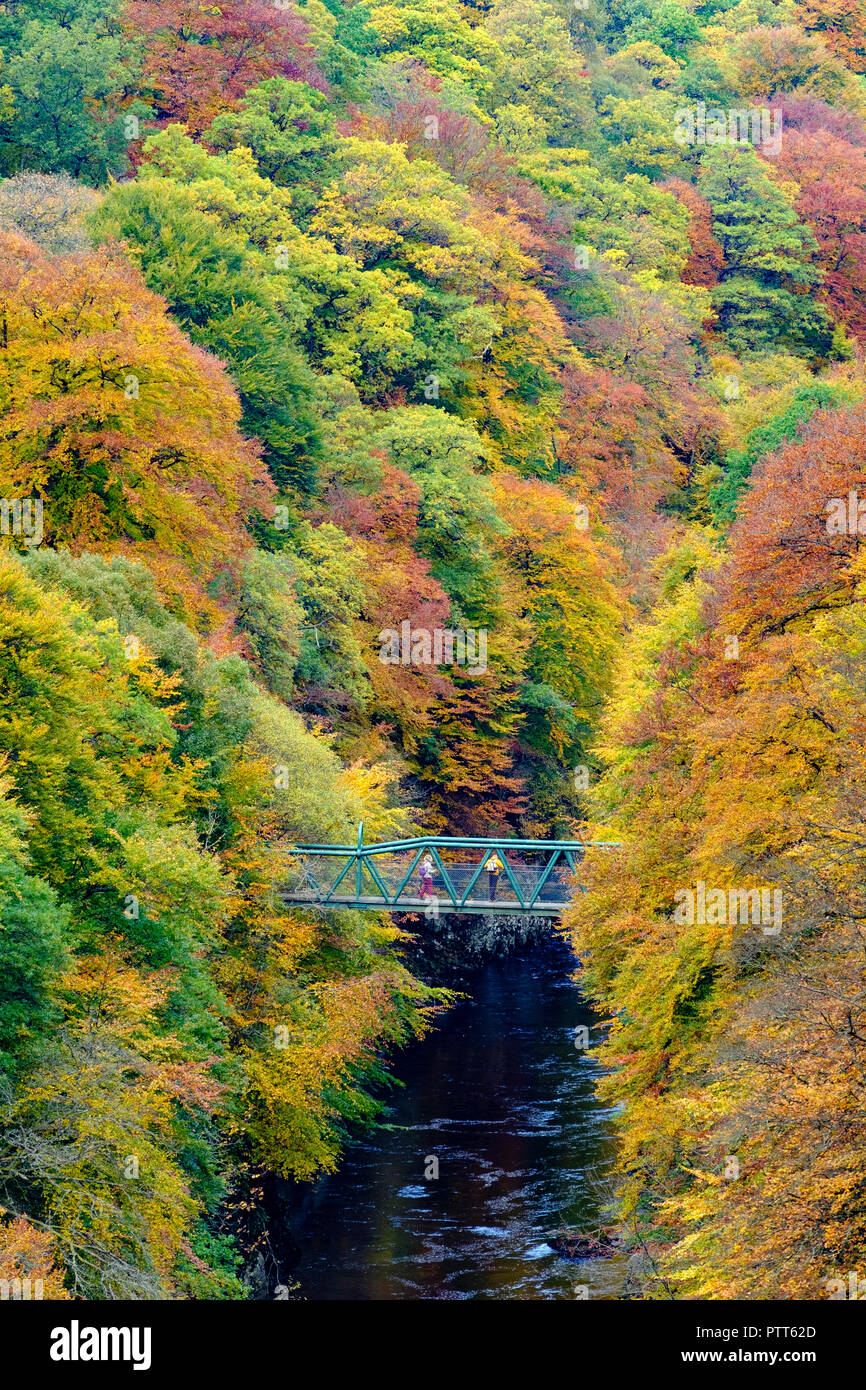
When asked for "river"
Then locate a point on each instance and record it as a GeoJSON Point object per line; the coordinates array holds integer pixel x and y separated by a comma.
{"type": "Point", "coordinates": [501, 1102]}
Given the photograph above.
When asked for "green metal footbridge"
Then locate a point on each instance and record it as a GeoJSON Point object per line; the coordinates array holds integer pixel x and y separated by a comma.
{"type": "Point", "coordinates": [537, 876]}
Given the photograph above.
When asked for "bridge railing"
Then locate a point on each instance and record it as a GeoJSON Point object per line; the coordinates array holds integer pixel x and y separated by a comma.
{"type": "Point", "coordinates": [536, 875]}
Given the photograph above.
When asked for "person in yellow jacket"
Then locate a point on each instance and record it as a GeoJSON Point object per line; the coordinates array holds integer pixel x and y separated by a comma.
{"type": "Point", "coordinates": [494, 869]}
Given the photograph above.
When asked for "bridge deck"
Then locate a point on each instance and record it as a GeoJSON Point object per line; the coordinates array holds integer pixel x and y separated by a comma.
{"type": "Point", "coordinates": [488, 906]}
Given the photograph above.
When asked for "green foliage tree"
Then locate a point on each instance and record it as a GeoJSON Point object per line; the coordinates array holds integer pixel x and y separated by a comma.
{"type": "Point", "coordinates": [539, 66]}
{"type": "Point", "coordinates": [270, 613]}
{"type": "Point", "coordinates": [762, 298]}
{"type": "Point", "coordinates": [216, 285]}
{"type": "Point", "coordinates": [65, 95]}
{"type": "Point", "coordinates": [290, 128]}
{"type": "Point", "coordinates": [457, 518]}
{"type": "Point", "coordinates": [765, 439]}
{"type": "Point", "coordinates": [32, 944]}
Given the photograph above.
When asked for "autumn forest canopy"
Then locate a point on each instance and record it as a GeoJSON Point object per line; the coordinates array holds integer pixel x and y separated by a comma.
{"type": "Point", "coordinates": [534, 319]}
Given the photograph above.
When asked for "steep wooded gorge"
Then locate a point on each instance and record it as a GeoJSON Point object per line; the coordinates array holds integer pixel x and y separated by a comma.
{"type": "Point", "coordinates": [536, 319]}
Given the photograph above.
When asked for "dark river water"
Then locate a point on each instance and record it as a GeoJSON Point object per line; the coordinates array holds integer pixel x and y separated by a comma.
{"type": "Point", "coordinates": [501, 1099]}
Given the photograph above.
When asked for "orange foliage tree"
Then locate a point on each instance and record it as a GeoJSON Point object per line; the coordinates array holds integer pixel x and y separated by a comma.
{"type": "Point", "coordinates": [126, 430]}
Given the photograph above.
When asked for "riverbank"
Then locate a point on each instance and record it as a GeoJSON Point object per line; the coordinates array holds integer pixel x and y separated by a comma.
{"type": "Point", "coordinates": [450, 949]}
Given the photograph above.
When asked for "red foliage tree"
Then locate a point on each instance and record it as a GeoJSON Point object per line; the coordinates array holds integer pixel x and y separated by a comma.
{"type": "Point", "coordinates": [831, 174]}
{"type": "Point", "coordinates": [810, 114]}
{"type": "Point", "coordinates": [788, 563]}
{"type": "Point", "coordinates": [707, 257]}
{"type": "Point", "coordinates": [199, 59]}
